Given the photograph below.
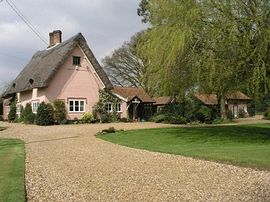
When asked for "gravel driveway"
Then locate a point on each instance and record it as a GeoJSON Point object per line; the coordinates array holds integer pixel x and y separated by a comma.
{"type": "Point", "coordinates": [67, 163]}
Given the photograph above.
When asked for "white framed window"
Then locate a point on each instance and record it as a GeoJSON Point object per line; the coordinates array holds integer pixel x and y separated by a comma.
{"type": "Point", "coordinates": [8, 109]}
{"type": "Point", "coordinates": [118, 107]}
{"type": "Point", "coordinates": [35, 105]}
{"type": "Point", "coordinates": [76, 105]}
{"type": "Point", "coordinates": [109, 107]}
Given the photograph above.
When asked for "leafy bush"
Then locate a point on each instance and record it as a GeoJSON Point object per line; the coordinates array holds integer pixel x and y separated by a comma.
{"type": "Point", "coordinates": [251, 109]}
{"type": "Point", "coordinates": [229, 115]}
{"type": "Point", "coordinates": [124, 120]}
{"type": "Point", "coordinates": [267, 114]}
{"type": "Point", "coordinates": [159, 118]}
{"type": "Point", "coordinates": [109, 130]}
{"type": "Point", "coordinates": [104, 118]}
{"type": "Point", "coordinates": [242, 113]}
{"type": "Point", "coordinates": [114, 117]}
{"type": "Point", "coordinates": [1, 118]}
{"type": "Point", "coordinates": [27, 116]}
{"type": "Point", "coordinates": [12, 110]}
{"type": "Point", "coordinates": [45, 115]}
{"type": "Point", "coordinates": [177, 120]}
{"type": "Point", "coordinates": [88, 118]}
{"type": "Point", "coordinates": [204, 114]}
{"type": "Point", "coordinates": [60, 111]}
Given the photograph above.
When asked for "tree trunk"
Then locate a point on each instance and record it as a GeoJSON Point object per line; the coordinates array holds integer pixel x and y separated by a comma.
{"type": "Point", "coordinates": [222, 107]}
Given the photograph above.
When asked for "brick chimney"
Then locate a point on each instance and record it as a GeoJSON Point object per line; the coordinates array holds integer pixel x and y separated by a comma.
{"type": "Point", "coordinates": [55, 38]}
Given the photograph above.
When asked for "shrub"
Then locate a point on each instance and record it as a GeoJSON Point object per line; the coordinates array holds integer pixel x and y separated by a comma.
{"type": "Point", "coordinates": [12, 111]}
{"type": "Point", "coordinates": [1, 118]}
{"type": "Point", "coordinates": [124, 120]}
{"type": "Point", "coordinates": [242, 113]}
{"type": "Point", "coordinates": [267, 114]}
{"type": "Point", "coordinates": [45, 115]}
{"type": "Point", "coordinates": [109, 130]}
{"type": "Point", "coordinates": [88, 118]}
{"type": "Point", "coordinates": [60, 111]}
{"type": "Point", "coordinates": [177, 120]}
{"type": "Point", "coordinates": [229, 115]}
{"type": "Point", "coordinates": [159, 118]}
{"type": "Point", "coordinates": [27, 116]}
{"type": "Point", "coordinates": [114, 117]}
{"type": "Point", "coordinates": [251, 109]}
{"type": "Point", "coordinates": [204, 114]}
{"type": "Point", "coordinates": [104, 118]}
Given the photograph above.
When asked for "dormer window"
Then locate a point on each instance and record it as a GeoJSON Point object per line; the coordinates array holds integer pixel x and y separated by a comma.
{"type": "Point", "coordinates": [31, 81]}
{"type": "Point", "coordinates": [76, 61]}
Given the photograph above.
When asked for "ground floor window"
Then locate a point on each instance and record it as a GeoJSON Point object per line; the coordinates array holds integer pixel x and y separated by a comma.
{"type": "Point", "coordinates": [109, 107]}
{"type": "Point", "coordinates": [35, 105]}
{"type": "Point", "coordinates": [8, 109]}
{"type": "Point", "coordinates": [77, 105]}
{"type": "Point", "coordinates": [118, 107]}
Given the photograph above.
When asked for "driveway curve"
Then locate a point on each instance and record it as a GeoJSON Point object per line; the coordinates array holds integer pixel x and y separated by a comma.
{"type": "Point", "coordinates": [68, 163]}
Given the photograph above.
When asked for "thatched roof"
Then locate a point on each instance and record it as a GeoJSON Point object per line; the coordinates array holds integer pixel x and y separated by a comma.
{"type": "Point", "coordinates": [237, 95]}
{"type": "Point", "coordinates": [207, 99]}
{"type": "Point", "coordinates": [212, 99]}
{"type": "Point", "coordinates": [129, 93]}
{"type": "Point", "coordinates": [163, 100]}
{"type": "Point", "coordinates": [44, 64]}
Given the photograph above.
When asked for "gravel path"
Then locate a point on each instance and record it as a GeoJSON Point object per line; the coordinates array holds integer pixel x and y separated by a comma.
{"type": "Point", "coordinates": [67, 163]}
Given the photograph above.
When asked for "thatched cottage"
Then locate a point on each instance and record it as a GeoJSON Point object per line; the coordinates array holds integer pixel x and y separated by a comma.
{"type": "Point", "coordinates": [70, 72]}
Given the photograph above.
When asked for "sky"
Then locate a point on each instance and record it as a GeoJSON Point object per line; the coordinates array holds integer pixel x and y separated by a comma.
{"type": "Point", "coordinates": [105, 24]}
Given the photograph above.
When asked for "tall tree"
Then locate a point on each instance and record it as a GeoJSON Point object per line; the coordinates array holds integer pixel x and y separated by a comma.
{"type": "Point", "coordinates": [124, 66]}
{"type": "Point", "coordinates": [168, 44]}
{"type": "Point", "coordinates": [219, 45]}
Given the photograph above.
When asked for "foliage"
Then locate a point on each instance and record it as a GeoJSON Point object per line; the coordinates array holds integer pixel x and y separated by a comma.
{"type": "Point", "coordinates": [1, 118]}
{"type": "Point", "coordinates": [12, 110]}
{"type": "Point", "coordinates": [267, 114]}
{"type": "Point", "coordinates": [176, 120]}
{"type": "Point", "coordinates": [204, 114]}
{"type": "Point", "coordinates": [222, 143]}
{"type": "Point", "coordinates": [159, 118]}
{"type": "Point", "coordinates": [100, 111]}
{"type": "Point", "coordinates": [242, 113]}
{"type": "Point", "coordinates": [27, 116]}
{"type": "Point", "coordinates": [124, 120]}
{"type": "Point", "coordinates": [124, 66]}
{"type": "Point", "coordinates": [109, 130]}
{"type": "Point", "coordinates": [60, 111]}
{"type": "Point", "coordinates": [215, 46]}
{"type": "Point", "coordinates": [45, 114]}
{"type": "Point", "coordinates": [88, 117]}
{"type": "Point", "coordinates": [229, 115]}
{"type": "Point", "coordinates": [12, 169]}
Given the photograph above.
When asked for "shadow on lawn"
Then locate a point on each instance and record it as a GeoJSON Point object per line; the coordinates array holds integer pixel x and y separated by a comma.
{"type": "Point", "coordinates": [243, 134]}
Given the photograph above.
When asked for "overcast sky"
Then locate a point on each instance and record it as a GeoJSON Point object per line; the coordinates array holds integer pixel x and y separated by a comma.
{"type": "Point", "coordinates": [105, 24]}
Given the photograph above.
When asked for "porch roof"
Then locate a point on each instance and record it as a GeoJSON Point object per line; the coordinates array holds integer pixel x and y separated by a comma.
{"type": "Point", "coordinates": [128, 93]}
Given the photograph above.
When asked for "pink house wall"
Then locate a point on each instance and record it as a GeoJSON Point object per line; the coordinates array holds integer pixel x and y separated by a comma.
{"type": "Point", "coordinates": [75, 83]}
{"type": "Point", "coordinates": [69, 82]}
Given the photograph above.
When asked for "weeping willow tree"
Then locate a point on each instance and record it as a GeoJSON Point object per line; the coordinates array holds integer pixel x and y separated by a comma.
{"type": "Point", "coordinates": [212, 45]}
{"type": "Point", "coordinates": [168, 44]}
{"type": "Point", "coordinates": [235, 47]}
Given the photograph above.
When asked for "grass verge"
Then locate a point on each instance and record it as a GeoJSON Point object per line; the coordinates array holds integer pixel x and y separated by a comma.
{"type": "Point", "coordinates": [12, 170]}
{"type": "Point", "coordinates": [247, 145]}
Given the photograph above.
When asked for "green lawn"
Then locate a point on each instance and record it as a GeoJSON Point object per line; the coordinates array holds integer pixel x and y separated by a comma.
{"type": "Point", "coordinates": [12, 170]}
{"type": "Point", "coordinates": [241, 145]}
